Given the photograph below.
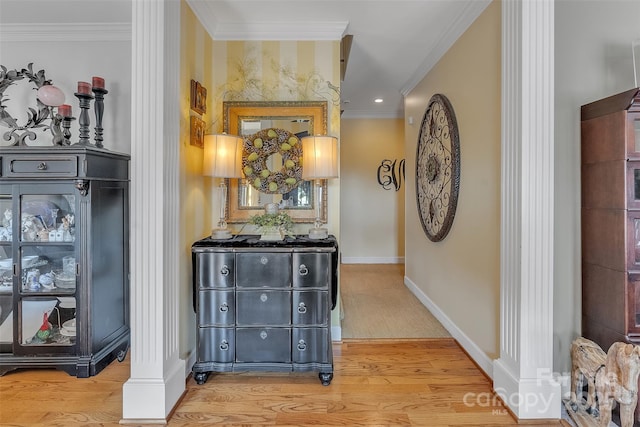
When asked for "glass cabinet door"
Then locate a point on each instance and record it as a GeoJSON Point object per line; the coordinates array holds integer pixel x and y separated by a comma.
{"type": "Point", "coordinates": [633, 184]}
{"type": "Point", "coordinates": [6, 270]}
{"type": "Point", "coordinates": [633, 245]}
{"type": "Point", "coordinates": [47, 272]}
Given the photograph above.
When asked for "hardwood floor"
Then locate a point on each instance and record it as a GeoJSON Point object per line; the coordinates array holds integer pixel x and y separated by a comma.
{"type": "Point", "coordinates": [409, 378]}
{"type": "Point", "coordinates": [409, 382]}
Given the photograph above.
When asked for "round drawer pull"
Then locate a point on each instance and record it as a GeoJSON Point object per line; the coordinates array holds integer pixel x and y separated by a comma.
{"type": "Point", "coordinates": [224, 307]}
{"type": "Point", "coordinates": [302, 308]}
{"type": "Point", "coordinates": [303, 270]}
{"type": "Point", "coordinates": [224, 345]}
{"type": "Point", "coordinates": [264, 297]}
{"type": "Point", "coordinates": [224, 270]}
{"type": "Point", "coordinates": [264, 260]}
{"type": "Point", "coordinates": [42, 166]}
{"type": "Point", "coordinates": [302, 346]}
{"type": "Point", "coordinates": [263, 335]}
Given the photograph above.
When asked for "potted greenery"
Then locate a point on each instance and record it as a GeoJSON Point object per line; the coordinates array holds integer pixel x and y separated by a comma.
{"type": "Point", "coordinates": [272, 226]}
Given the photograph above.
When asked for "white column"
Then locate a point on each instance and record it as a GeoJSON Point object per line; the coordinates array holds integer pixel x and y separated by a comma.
{"type": "Point", "coordinates": [522, 375]}
{"type": "Point", "coordinates": [157, 373]}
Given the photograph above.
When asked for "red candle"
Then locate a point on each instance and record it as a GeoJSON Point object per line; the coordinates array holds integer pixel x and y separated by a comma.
{"type": "Point", "coordinates": [84, 87]}
{"type": "Point", "coordinates": [64, 110]}
{"type": "Point", "coordinates": [98, 82]}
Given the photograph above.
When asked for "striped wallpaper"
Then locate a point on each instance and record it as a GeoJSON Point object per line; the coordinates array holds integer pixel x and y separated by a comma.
{"type": "Point", "coordinates": [277, 71]}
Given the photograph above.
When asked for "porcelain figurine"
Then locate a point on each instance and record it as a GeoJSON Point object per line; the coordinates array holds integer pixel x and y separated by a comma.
{"type": "Point", "coordinates": [7, 219]}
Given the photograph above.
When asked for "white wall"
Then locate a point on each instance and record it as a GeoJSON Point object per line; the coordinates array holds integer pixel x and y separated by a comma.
{"type": "Point", "coordinates": [593, 60]}
{"type": "Point", "coordinates": [69, 52]}
{"type": "Point", "coordinates": [371, 216]}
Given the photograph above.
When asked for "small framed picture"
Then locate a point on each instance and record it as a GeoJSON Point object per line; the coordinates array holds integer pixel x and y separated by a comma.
{"type": "Point", "coordinates": [197, 132]}
{"type": "Point", "coordinates": [198, 97]}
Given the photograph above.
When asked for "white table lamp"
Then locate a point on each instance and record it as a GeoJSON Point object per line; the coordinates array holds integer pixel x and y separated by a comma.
{"type": "Point", "coordinates": [222, 159]}
{"type": "Point", "coordinates": [319, 161]}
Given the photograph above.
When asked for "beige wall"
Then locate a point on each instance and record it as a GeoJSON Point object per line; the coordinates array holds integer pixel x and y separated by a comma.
{"type": "Point", "coordinates": [372, 217]}
{"type": "Point", "coordinates": [461, 274]}
{"type": "Point", "coordinates": [195, 189]}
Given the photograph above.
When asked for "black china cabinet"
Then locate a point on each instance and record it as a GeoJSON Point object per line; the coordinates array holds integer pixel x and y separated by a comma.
{"type": "Point", "coordinates": [64, 258]}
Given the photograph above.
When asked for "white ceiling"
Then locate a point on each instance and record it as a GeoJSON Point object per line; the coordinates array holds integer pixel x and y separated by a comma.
{"type": "Point", "coordinates": [395, 42]}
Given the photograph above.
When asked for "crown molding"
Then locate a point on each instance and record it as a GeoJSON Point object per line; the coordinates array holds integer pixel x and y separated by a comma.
{"type": "Point", "coordinates": [280, 31]}
{"type": "Point", "coordinates": [472, 10]}
{"type": "Point", "coordinates": [372, 114]}
{"type": "Point", "coordinates": [285, 30]}
{"type": "Point", "coordinates": [65, 32]}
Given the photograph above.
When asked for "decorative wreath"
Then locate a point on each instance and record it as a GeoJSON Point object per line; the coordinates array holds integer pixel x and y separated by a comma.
{"type": "Point", "coordinates": [256, 150]}
{"type": "Point", "coordinates": [35, 117]}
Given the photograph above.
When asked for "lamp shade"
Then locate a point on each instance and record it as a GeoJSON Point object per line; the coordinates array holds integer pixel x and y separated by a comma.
{"type": "Point", "coordinates": [319, 157]}
{"type": "Point", "coordinates": [222, 156]}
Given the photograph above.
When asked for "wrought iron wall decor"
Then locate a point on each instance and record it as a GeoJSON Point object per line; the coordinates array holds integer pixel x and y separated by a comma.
{"type": "Point", "coordinates": [391, 174]}
{"type": "Point", "coordinates": [44, 117]}
{"type": "Point", "coordinates": [438, 168]}
{"type": "Point", "coordinates": [36, 116]}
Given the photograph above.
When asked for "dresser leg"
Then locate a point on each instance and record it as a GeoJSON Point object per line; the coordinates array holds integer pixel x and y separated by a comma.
{"type": "Point", "coordinates": [325, 378]}
{"type": "Point", "coordinates": [201, 377]}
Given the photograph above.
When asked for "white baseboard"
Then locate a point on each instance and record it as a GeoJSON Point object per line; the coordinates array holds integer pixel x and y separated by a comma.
{"type": "Point", "coordinates": [372, 260]}
{"type": "Point", "coordinates": [475, 352]}
{"type": "Point", "coordinates": [336, 333]}
{"type": "Point", "coordinates": [189, 362]}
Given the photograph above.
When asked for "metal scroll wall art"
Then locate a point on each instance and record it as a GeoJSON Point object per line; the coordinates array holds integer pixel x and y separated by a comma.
{"type": "Point", "coordinates": [51, 113]}
{"type": "Point", "coordinates": [391, 174]}
{"type": "Point", "coordinates": [438, 168]}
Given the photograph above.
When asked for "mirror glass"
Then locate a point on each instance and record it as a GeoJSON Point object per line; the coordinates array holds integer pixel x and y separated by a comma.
{"type": "Point", "coordinates": [301, 118]}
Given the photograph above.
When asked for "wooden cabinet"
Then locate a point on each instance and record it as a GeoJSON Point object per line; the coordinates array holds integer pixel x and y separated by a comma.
{"type": "Point", "coordinates": [610, 212]}
{"type": "Point", "coordinates": [264, 305]}
{"type": "Point", "coordinates": [64, 259]}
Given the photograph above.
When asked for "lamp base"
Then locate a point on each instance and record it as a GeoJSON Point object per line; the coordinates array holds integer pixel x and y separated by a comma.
{"type": "Point", "coordinates": [221, 233]}
{"type": "Point", "coordinates": [318, 233]}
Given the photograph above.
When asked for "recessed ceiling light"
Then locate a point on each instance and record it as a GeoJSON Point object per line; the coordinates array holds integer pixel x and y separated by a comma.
{"type": "Point", "coordinates": [378, 100]}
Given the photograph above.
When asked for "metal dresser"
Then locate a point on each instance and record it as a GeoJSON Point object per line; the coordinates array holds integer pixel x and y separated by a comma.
{"type": "Point", "coordinates": [264, 305]}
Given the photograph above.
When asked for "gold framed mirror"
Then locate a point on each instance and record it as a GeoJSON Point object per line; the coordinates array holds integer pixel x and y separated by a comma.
{"type": "Point", "coordinates": [301, 118]}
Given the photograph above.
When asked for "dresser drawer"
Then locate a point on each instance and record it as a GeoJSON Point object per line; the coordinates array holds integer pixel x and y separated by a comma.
{"type": "Point", "coordinates": [41, 166]}
{"type": "Point", "coordinates": [214, 270]}
{"type": "Point", "coordinates": [311, 270]}
{"type": "Point", "coordinates": [216, 345]}
{"type": "Point", "coordinates": [264, 307]}
{"type": "Point", "coordinates": [263, 345]}
{"type": "Point", "coordinates": [311, 345]}
{"type": "Point", "coordinates": [310, 308]}
{"type": "Point", "coordinates": [216, 307]}
{"type": "Point", "coordinates": [263, 269]}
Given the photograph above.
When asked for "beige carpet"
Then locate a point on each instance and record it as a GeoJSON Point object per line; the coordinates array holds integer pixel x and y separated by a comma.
{"type": "Point", "coordinates": [377, 304]}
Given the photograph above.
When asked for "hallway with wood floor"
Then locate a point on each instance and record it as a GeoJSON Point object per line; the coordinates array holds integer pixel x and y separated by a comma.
{"type": "Point", "coordinates": [393, 380]}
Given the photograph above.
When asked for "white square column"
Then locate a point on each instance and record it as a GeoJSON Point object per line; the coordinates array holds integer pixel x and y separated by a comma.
{"type": "Point", "coordinates": [523, 375]}
{"type": "Point", "coordinates": [157, 373]}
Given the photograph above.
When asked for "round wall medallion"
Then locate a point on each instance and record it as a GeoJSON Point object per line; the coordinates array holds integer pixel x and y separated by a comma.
{"type": "Point", "coordinates": [438, 168]}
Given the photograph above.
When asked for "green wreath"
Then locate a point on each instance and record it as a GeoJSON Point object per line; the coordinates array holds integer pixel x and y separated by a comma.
{"type": "Point", "coordinates": [256, 150]}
